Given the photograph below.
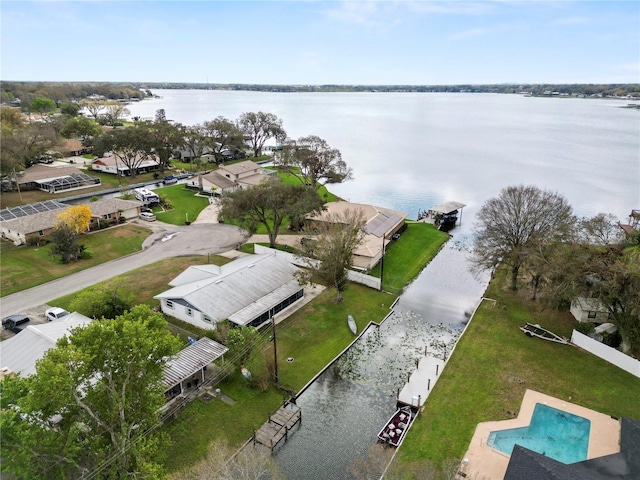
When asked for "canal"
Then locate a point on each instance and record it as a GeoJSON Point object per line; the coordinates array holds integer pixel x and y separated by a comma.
{"type": "Point", "coordinates": [343, 410]}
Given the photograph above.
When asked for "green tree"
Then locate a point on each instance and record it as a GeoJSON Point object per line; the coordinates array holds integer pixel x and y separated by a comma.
{"type": "Point", "coordinates": [71, 109]}
{"type": "Point", "coordinates": [513, 225]}
{"type": "Point", "coordinates": [164, 137]}
{"type": "Point", "coordinates": [222, 134]}
{"type": "Point", "coordinates": [338, 236]}
{"type": "Point", "coordinates": [81, 127]}
{"type": "Point", "coordinates": [21, 146]}
{"type": "Point", "coordinates": [105, 300]}
{"type": "Point", "coordinates": [130, 145]}
{"type": "Point", "coordinates": [260, 127]}
{"type": "Point", "coordinates": [42, 105]}
{"type": "Point", "coordinates": [240, 342]}
{"type": "Point", "coordinates": [101, 388]}
{"type": "Point", "coordinates": [65, 243]}
{"type": "Point", "coordinates": [314, 162]}
{"type": "Point", "coordinates": [269, 204]}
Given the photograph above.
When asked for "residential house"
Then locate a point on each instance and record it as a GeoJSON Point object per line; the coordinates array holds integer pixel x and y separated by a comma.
{"type": "Point", "coordinates": [228, 178]}
{"type": "Point", "coordinates": [380, 226]}
{"type": "Point", "coordinates": [589, 310]}
{"type": "Point", "coordinates": [54, 179]}
{"type": "Point", "coordinates": [21, 352]}
{"type": "Point", "coordinates": [112, 164]}
{"type": "Point", "coordinates": [526, 464]}
{"type": "Point", "coordinates": [18, 224]}
{"type": "Point", "coordinates": [247, 291]}
{"type": "Point", "coordinates": [72, 148]}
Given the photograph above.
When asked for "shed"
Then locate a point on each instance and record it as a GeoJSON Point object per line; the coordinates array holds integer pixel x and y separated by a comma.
{"type": "Point", "coordinates": [589, 310]}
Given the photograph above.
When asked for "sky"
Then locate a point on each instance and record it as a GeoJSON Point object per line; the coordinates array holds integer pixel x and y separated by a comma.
{"type": "Point", "coordinates": [318, 43]}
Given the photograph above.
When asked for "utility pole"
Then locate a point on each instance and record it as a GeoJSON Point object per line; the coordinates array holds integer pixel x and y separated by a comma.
{"type": "Point", "coordinates": [382, 264]}
{"type": "Point", "coordinates": [275, 349]}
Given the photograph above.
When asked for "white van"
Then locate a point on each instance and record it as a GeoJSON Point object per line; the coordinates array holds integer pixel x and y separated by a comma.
{"type": "Point", "coordinates": [146, 196]}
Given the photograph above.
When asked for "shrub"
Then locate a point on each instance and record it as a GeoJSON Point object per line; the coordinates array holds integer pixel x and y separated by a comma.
{"type": "Point", "coordinates": [585, 328]}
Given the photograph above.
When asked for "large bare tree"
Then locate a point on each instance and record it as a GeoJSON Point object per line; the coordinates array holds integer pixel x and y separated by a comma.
{"type": "Point", "coordinates": [314, 162]}
{"type": "Point", "coordinates": [338, 235]}
{"type": "Point", "coordinates": [513, 225]}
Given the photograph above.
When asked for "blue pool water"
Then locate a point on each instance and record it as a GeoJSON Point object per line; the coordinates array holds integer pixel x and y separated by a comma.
{"type": "Point", "coordinates": [552, 432]}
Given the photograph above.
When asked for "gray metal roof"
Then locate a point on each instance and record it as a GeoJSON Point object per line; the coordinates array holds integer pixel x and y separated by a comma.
{"type": "Point", "coordinates": [245, 285]}
{"type": "Point", "coordinates": [32, 208]}
{"type": "Point", "coordinates": [21, 351]}
{"type": "Point", "coordinates": [191, 360]}
{"type": "Point", "coordinates": [448, 207]}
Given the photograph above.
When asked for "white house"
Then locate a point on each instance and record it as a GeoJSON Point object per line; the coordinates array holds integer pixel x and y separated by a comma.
{"type": "Point", "coordinates": [589, 310]}
{"type": "Point", "coordinates": [112, 164]}
{"type": "Point", "coordinates": [20, 352]}
{"type": "Point", "coordinates": [247, 291]}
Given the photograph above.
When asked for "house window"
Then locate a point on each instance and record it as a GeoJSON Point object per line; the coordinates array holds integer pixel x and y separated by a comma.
{"type": "Point", "coordinates": [207, 318]}
{"type": "Point", "coordinates": [41, 233]}
{"type": "Point", "coordinates": [190, 312]}
{"type": "Point", "coordinates": [591, 314]}
{"type": "Point", "coordinates": [107, 216]}
{"type": "Point", "coordinates": [169, 304]}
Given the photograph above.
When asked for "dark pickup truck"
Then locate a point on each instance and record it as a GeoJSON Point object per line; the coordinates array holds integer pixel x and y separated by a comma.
{"type": "Point", "coordinates": [12, 322]}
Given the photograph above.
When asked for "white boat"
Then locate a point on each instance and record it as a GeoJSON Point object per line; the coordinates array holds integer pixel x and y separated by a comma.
{"type": "Point", "coordinates": [352, 324]}
{"type": "Point", "coordinates": [396, 427]}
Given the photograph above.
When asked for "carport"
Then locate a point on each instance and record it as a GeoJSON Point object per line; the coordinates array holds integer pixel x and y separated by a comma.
{"type": "Point", "coordinates": [186, 370]}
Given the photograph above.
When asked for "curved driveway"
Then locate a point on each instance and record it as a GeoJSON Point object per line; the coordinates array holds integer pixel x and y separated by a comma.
{"type": "Point", "coordinates": [166, 241]}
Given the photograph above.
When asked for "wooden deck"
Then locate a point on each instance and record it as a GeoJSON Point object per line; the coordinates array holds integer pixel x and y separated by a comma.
{"type": "Point", "coordinates": [278, 426]}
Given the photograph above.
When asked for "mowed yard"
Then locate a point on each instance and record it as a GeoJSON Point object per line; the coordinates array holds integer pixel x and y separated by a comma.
{"type": "Point", "coordinates": [492, 366]}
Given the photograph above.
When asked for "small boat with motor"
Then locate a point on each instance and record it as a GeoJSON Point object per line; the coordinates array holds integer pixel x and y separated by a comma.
{"type": "Point", "coordinates": [396, 427]}
{"type": "Point", "coordinates": [352, 324]}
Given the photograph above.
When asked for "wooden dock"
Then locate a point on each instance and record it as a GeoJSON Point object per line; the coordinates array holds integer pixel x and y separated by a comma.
{"type": "Point", "coordinates": [278, 426]}
{"type": "Point", "coordinates": [421, 381]}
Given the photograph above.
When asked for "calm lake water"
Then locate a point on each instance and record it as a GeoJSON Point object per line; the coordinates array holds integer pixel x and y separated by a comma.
{"type": "Point", "coordinates": [410, 152]}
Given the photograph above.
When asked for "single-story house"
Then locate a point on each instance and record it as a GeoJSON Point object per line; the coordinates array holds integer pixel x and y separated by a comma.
{"type": "Point", "coordinates": [21, 352]}
{"type": "Point", "coordinates": [18, 224]}
{"type": "Point", "coordinates": [589, 310]}
{"type": "Point", "coordinates": [380, 225]}
{"type": "Point", "coordinates": [54, 179]}
{"type": "Point", "coordinates": [228, 178]}
{"type": "Point", "coordinates": [526, 464]}
{"type": "Point", "coordinates": [187, 369]}
{"type": "Point", "coordinates": [72, 148]}
{"type": "Point", "coordinates": [247, 292]}
{"type": "Point", "coordinates": [112, 164]}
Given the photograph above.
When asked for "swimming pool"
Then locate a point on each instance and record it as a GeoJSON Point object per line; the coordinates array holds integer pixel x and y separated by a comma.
{"type": "Point", "coordinates": [552, 432]}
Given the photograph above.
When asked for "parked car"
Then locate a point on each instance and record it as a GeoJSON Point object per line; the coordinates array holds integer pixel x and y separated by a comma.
{"type": "Point", "coordinates": [148, 216]}
{"type": "Point", "coordinates": [12, 321]}
{"type": "Point", "coordinates": [170, 180]}
{"type": "Point", "coordinates": [55, 313]}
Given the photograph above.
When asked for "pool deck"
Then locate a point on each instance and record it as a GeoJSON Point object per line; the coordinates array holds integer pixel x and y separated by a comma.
{"type": "Point", "coordinates": [482, 461]}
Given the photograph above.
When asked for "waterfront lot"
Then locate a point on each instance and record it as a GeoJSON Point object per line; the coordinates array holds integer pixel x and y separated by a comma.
{"type": "Point", "coordinates": [492, 366]}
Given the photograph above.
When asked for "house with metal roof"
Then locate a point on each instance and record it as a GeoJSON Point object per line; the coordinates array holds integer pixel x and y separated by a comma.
{"type": "Point", "coordinates": [247, 292]}
{"type": "Point", "coordinates": [380, 226]}
{"type": "Point", "coordinates": [21, 352]}
{"type": "Point", "coordinates": [18, 224]}
{"type": "Point", "coordinates": [112, 164]}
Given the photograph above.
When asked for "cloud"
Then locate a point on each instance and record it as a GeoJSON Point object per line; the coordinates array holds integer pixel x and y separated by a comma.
{"type": "Point", "coordinates": [572, 21]}
{"type": "Point", "coordinates": [474, 32]}
{"type": "Point", "coordinates": [365, 13]}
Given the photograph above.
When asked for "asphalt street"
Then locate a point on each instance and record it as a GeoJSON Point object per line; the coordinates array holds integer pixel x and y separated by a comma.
{"type": "Point", "coordinates": [165, 242]}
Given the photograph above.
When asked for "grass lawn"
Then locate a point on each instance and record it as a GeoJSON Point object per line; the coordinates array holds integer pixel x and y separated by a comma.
{"type": "Point", "coordinates": [482, 380]}
{"type": "Point", "coordinates": [406, 257]}
{"type": "Point", "coordinates": [25, 267]}
{"type": "Point", "coordinates": [185, 205]}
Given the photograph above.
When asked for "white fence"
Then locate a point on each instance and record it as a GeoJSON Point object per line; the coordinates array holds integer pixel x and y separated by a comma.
{"type": "Point", "coordinates": [354, 276]}
{"type": "Point", "coordinates": [607, 353]}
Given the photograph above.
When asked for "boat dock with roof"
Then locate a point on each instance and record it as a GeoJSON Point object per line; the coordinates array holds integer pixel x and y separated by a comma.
{"type": "Point", "coordinates": [444, 216]}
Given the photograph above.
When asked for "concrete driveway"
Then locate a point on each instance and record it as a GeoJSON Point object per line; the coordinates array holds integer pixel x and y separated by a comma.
{"type": "Point", "coordinates": [166, 241]}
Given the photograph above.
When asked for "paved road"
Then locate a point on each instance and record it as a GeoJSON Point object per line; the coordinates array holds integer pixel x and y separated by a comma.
{"type": "Point", "coordinates": [166, 241]}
